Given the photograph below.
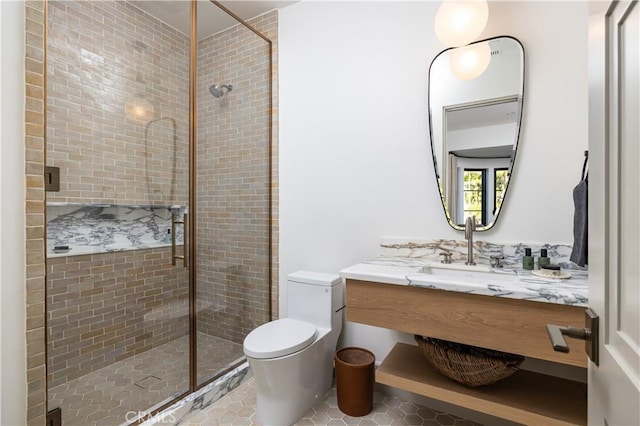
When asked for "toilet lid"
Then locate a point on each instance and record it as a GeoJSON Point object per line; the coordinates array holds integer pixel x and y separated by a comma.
{"type": "Point", "coordinates": [279, 338]}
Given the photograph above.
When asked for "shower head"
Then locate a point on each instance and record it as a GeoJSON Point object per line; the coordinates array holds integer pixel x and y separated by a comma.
{"type": "Point", "coordinates": [219, 90]}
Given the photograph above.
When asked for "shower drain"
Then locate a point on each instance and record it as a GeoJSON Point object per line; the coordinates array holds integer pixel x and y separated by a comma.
{"type": "Point", "coordinates": [147, 382]}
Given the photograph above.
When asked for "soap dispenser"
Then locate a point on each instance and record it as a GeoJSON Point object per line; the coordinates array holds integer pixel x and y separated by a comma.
{"type": "Point", "coordinates": [543, 260]}
{"type": "Point", "coordinates": [527, 260]}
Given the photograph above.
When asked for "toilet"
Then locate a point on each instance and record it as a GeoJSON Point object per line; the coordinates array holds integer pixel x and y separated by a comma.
{"type": "Point", "coordinates": [292, 358]}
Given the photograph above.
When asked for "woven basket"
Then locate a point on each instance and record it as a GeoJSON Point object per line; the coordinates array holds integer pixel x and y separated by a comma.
{"type": "Point", "coordinates": [469, 365]}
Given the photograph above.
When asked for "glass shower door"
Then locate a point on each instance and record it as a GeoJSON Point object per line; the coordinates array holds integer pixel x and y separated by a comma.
{"type": "Point", "coordinates": [134, 303]}
{"type": "Point", "coordinates": [233, 187]}
{"type": "Point", "coordinates": [117, 282]}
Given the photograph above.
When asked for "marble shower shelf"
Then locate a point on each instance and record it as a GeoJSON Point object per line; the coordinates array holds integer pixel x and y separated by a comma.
{"type": "Point", "coordinates": [102, 228]}
{"type": "Point", "coordinates": [104, 205]}
{"type": "Point", "coordinates": [85, 250]}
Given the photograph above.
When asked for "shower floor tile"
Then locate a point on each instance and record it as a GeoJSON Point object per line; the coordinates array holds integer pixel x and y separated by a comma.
{"type": "Point", "coordinates": [116, 394]}
{"type": "Point", "coordinates": [239, 408]}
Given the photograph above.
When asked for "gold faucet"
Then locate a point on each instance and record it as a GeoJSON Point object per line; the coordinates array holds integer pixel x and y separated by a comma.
{"type": "Point", "coordinates": [469, 227]}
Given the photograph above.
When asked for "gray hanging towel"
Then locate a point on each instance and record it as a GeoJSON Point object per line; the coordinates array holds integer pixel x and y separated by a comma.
{"type": "Point", "coordinates": [580, 248]}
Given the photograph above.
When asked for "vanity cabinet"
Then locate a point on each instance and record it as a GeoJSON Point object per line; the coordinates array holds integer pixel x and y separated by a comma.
{"type": "Point", "coordinates": [510, 325]}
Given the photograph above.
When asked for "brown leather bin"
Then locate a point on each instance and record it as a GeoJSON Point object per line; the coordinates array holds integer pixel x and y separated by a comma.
{"type": "Point", "coordinates": [355, 376]}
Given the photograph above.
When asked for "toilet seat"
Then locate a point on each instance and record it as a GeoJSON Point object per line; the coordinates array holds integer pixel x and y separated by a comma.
{"type": "Point", "coordinates": [279, 338]}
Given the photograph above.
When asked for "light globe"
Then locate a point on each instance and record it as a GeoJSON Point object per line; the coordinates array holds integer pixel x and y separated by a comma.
{"type": "Point", "coordinates": [469, 62]}
{"type": "Point", "coordinates": [459, 22]}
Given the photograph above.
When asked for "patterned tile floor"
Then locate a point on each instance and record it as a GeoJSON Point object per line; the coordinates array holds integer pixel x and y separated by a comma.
{"type": "Point", "coordinates": [238, 408]}
{"type": "Point", "coordinates": [115, 394]}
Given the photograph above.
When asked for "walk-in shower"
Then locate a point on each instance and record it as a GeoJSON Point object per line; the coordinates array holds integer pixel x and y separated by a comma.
{"type": "Point", "coordinates": [129, 328]}
{"type": "Point", "coordinates": [219, 90]}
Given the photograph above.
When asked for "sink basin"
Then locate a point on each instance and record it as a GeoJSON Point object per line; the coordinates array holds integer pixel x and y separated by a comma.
{"type": "Point", "coordinates": [459, 273]}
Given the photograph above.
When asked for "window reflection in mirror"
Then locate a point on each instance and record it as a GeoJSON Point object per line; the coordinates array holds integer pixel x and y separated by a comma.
{"type": "Point", "coordinates": [474, 127]}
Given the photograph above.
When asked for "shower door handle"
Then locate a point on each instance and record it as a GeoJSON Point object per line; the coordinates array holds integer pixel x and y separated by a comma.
{"type": "Point", "coordinates": [175, 222]}
{"type": "Point", "coordinates": [185, 228]}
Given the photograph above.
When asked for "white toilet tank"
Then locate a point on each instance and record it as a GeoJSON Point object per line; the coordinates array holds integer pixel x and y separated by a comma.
{"type": "Point", "coordinates": [315, 297]}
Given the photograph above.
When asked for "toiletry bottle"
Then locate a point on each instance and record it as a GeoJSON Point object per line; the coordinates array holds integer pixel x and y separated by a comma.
{"type": "Point", "coordinates": [527, 260]}
{"type": "Point", "coordinates": [543, 260]}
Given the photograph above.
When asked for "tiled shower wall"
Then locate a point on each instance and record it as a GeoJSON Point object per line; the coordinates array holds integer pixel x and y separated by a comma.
{"type": "Point", "coordinates": [233, 182]}
{"type": "Point", "coordinates": [100, 55]}
{"type": "Point", "coordinates": [107, 307]}
{"type": "Point", "coordinates": [233, 189]}
{"type": "Point", "coordinates": [34, 203]}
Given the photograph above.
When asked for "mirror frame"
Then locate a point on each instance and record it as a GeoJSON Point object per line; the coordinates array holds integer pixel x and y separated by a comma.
{"type": "Point", "coordinates": [515, 143]}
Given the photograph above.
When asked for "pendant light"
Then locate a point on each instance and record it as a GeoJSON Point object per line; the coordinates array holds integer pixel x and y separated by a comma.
{"type": "Point", "coordinates": [460, 22]}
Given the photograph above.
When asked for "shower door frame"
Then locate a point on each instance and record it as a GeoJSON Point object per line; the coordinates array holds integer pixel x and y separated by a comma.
{"type": "Point", "coordinates": [193, 349]}
{"type": "Point", "coordinates": [192, 202]}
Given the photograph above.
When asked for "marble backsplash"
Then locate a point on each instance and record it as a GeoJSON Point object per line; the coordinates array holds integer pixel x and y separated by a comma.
{"type": "Point", "coordinates": [426, 250]}
{"type": "Point", "coordinates": [101, 228]}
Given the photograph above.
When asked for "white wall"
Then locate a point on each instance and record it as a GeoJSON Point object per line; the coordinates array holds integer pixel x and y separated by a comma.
{"type": "Point", "coordinates": [13, 393]}
{"type": "Point", "coordinates": [482, 137]}
{"type": "Point", "coordinates": [355, 160]}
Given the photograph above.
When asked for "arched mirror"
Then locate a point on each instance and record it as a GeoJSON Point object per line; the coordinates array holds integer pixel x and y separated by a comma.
{"type": "Point", "coordinates": [475, 113]}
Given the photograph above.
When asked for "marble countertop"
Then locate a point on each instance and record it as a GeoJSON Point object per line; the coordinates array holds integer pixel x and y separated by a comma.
{"type": "Point", "coordinates": [406, 271]}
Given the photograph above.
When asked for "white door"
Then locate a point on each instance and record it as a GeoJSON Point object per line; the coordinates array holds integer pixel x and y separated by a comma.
{"type": "Point", "coordinates": [614, 211]}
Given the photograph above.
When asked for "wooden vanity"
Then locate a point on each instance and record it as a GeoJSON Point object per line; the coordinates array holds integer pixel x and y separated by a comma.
{"type": "Point", "coordinates": [500, 323]}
